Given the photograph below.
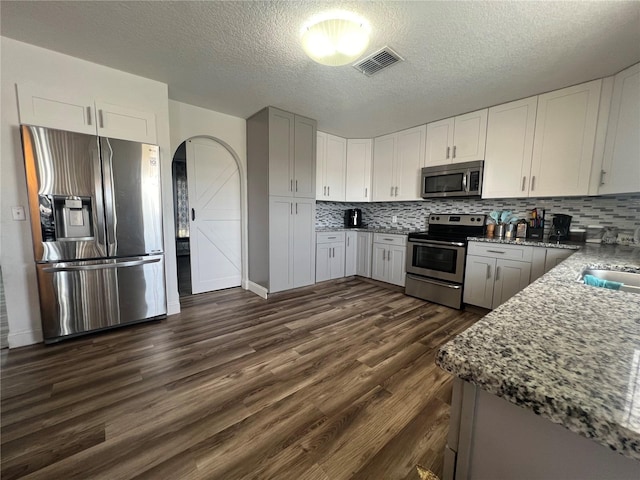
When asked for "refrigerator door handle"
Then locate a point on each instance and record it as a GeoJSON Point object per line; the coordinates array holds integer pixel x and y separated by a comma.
{"type": "Point", "coordinates": [109, 207]}
{"type": "Point", "coordinates": [98, 215]}
{"type": "Point", "coordinates": [100, 266]}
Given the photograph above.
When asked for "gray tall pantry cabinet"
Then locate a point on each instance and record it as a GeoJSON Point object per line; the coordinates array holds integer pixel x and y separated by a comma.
{"type": "Point", "coordinates": [281, 169]}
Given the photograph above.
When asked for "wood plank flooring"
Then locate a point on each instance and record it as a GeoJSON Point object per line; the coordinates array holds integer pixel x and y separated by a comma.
{"type": "Point", "coordinates": [328, 382]}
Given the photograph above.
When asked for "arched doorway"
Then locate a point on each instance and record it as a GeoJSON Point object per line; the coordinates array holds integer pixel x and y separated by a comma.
{"type": "Point", "coordinates": [207, 197]}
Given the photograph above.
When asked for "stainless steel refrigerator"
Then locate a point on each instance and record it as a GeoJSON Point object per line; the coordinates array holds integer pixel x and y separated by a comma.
{"type": "Point", "coordinates": [96, 221]}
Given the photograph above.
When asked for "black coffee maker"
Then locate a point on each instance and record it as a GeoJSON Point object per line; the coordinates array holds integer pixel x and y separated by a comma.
{"type": "Point", "coordinates": [560, 227]}
{"type": "Point", "coordinates": [353, 218]}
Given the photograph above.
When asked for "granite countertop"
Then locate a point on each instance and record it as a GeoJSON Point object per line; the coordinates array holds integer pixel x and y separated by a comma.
{"type": "Point", "coordinates": [567, 351]}
{"type": "Point", "coordinates": [528, 242]}
{"type": "Point", "coordinates": [394, 231]}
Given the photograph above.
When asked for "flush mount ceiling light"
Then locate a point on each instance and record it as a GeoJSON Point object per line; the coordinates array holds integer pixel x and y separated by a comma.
{"type": "Point", "coordinates": [335, 38]}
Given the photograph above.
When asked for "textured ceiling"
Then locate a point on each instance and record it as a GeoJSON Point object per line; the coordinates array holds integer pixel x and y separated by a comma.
{"type": "Point", "coordinates": [237, 57]}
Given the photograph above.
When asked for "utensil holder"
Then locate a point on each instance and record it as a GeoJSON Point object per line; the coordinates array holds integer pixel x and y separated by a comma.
{"type": "Point", "coordinates": [535, 233]}
{"type": "Point", "coordinates": [499, 230]}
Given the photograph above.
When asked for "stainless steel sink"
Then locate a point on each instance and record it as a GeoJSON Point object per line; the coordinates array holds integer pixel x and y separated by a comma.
{"type": "Point", "coordinates": [630, 281]}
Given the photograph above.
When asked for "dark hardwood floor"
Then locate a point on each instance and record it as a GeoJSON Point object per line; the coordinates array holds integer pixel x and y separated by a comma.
{"type": "Point", "coordinates": [330, 382]}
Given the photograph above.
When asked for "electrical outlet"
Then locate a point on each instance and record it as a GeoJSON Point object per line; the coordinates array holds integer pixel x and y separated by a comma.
{"type": "Point", "coordinates": [17, 213]}
{"type": "Point", "coordinates": [394, 219]}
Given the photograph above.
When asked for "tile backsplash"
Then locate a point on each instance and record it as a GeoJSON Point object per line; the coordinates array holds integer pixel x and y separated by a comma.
{"type": "Point", "coordinates": [622, 211]}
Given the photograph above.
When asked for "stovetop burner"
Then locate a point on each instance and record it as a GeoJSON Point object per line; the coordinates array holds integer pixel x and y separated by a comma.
{"type": "Point", "coordinates": [452, 227]}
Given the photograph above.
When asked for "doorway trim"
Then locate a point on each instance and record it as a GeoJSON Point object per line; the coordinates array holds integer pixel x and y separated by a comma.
{"type": "Point", "coordinates": [243, 203]}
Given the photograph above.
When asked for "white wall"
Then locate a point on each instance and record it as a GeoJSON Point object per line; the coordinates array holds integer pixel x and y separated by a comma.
{"type": "Point", "coordinates": [188, 121]}
{"type": "Point", "coordinates": [23, 63]}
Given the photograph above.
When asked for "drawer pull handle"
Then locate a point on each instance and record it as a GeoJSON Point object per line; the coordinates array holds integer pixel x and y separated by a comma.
{"type": "Point", "coordinates": [495, 251]}
{"type": "Point", "coordinates": [388, 239]}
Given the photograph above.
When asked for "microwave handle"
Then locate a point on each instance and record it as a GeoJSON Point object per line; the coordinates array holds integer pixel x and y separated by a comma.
{"type": "Point", "coordinates": [464, 181]}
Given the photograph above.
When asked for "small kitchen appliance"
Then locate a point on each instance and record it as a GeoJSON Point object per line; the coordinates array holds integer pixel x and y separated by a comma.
{"type": "Point", "coordinates": [435, 258]}
{"type": "Point", "coordinates": [353, 218]}
{"type": "Point", "coordinates": [453, 180]}
{"type": "Point", "coordinates": [560, 227]}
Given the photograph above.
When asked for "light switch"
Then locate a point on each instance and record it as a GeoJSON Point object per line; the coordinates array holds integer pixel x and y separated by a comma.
{"type": "Point", "coordinates": [18, 213]}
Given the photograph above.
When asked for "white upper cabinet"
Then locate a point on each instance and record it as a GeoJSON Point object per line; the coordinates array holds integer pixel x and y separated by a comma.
{"type": "Point", "coordinates": [292, 152]}
{"type": "Point", "coordinates": [331, 167]}
{"type": "Point", "coordinates": [358, 178]}
{"type": "Point", "coordinates": [469, 137]}
{"type": "Point", "coordinates": [509, 149]}
{"type": "Point", "coordinates": [115, 121]}
{"type": "Point", "coordinates": [53, 108]}
{"type": "Point", "coordinates": [304, 157]}
{"type": "Point", "coordinates": [409, 162]}
{"type": "Point", "coordinates": [397, 161]}
{"type": "Point", "coordinates": [439, 142]}
{"type": "Point", "coordinates": [457, 139]}
{"type": "Point", "coordinates": [564, 140]}
{"type": "Point", "coordinates": [620, 171]}
{"type": "Point", "coordinates": [384, 151]}
{"type": "Point", "coordinates": [280, 127]}
{"type": "Point", "coordinates": [47, 107]}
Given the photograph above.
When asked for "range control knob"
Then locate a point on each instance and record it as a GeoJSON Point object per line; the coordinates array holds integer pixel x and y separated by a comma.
{"type": "Point", "coordinates": [473, 219]}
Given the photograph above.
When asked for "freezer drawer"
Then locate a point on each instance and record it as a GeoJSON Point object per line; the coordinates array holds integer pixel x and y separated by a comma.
{"type": "Point", "coordinates": [80, 297]}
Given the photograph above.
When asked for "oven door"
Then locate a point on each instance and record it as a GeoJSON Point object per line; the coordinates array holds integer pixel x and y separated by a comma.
{"type": "Point", "coordinates": [441, 260]}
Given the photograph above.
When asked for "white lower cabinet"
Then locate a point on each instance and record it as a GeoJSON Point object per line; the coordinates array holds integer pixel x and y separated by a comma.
{"type": "Point", "coordinates": [510, 277]}
{"type": "Point", "coordinates": [363, 262]}
{"type": "Point", "coordinates": [291, 243]}
{"type": "Point", "coordinates": [388, 259]}
{"type": "Point", "coordinates": [495, 272]}
{"type": "Point", "coordinates": [544, 259]}
{"type": "Point", "coordinates": [351, 254]}
{"type": "Point", "coordinates": [478, 283]}
{"type": "Point", "coordinates": [330, 255]}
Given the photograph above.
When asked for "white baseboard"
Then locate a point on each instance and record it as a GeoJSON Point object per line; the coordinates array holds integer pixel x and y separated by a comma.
{"type": "Point", "coordinates": [173, 308]}
{"type": "Point", "coordinates": [24, 338]}
{"type": "Point", "coordinates": [257, 289]}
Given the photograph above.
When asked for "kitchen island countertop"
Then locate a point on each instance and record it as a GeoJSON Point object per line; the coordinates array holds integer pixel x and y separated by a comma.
{"type": "Point", "coordinates": [527, 242]}
{"type": "Point", "coordinates": [567, 351]}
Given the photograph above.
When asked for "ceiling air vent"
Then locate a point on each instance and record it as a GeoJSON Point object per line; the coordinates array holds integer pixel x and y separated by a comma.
{"type": "Point", "coordinates": [383, 58]}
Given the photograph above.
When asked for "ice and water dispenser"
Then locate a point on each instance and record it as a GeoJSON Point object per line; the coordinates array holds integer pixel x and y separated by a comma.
{"type": "Point", "coordinates": [65, 218]}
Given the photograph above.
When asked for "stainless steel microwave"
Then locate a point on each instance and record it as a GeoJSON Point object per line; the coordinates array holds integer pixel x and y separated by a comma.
{"type": "Point", "coordinates": [453, 180]}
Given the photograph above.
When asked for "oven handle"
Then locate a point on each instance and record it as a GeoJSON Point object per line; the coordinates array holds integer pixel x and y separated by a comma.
{"type": "Point", "coordinates": [437, 242]}
{"type": "Point", "coordinates": [435, 282]}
